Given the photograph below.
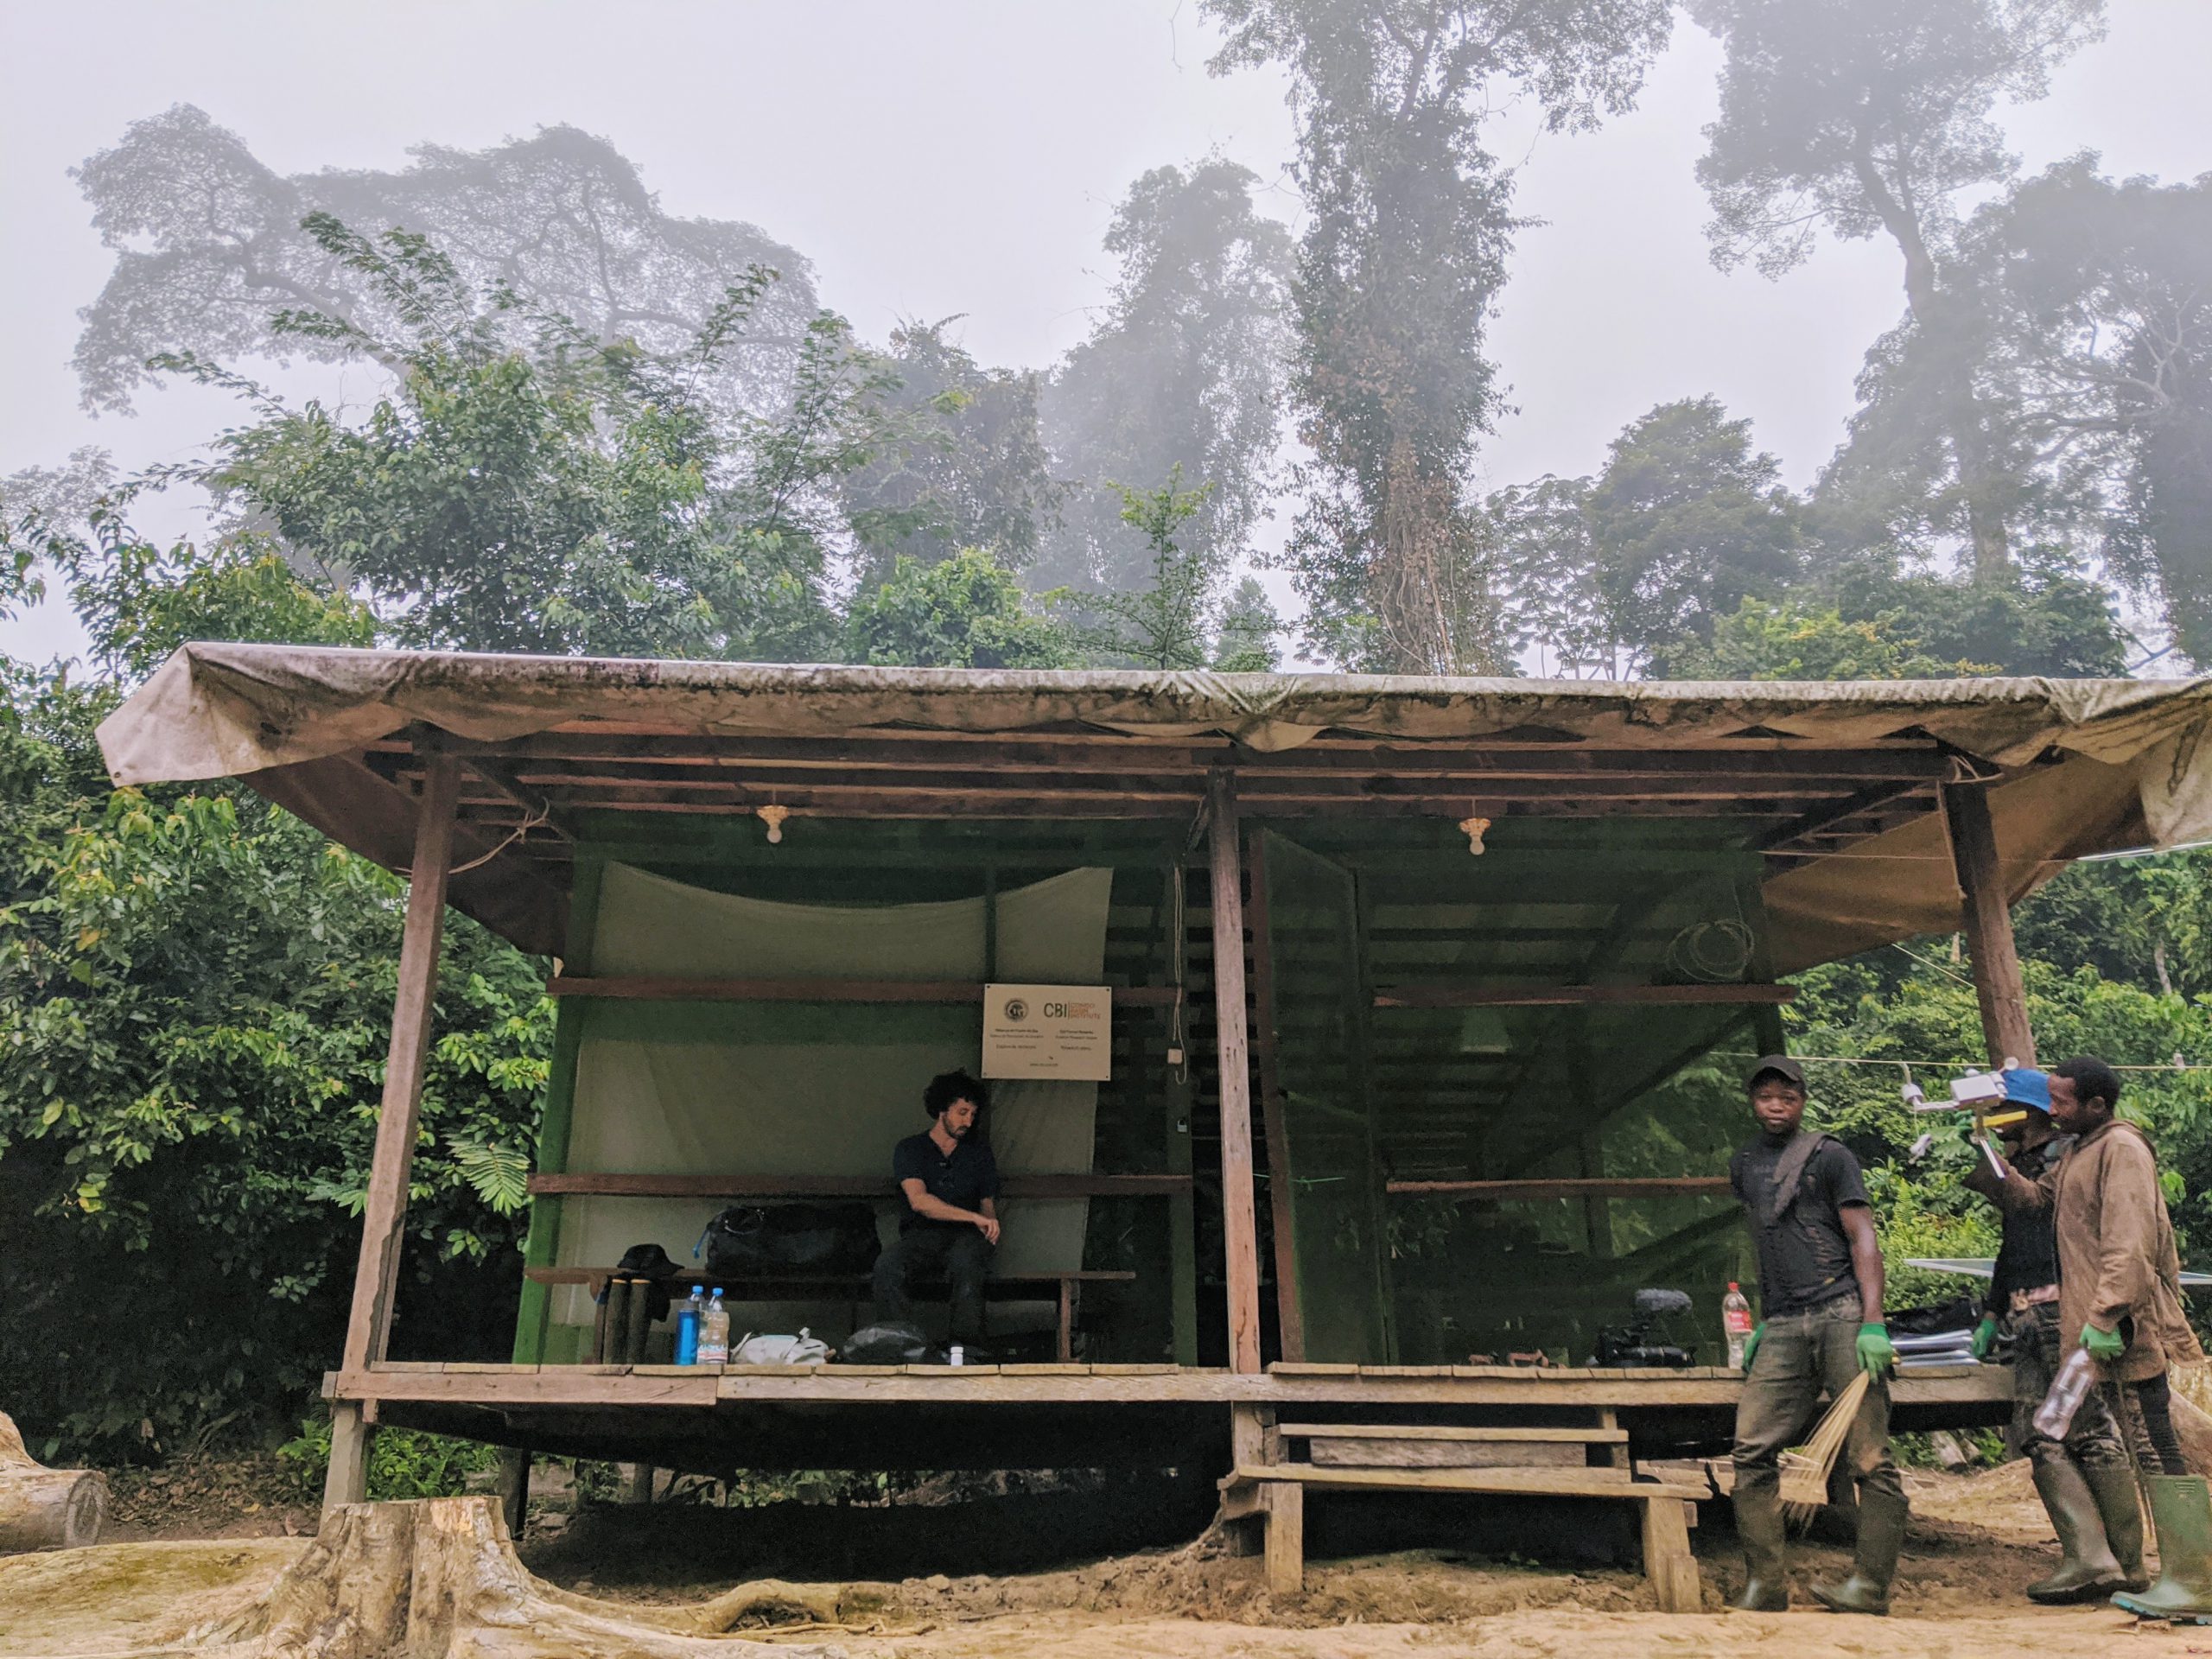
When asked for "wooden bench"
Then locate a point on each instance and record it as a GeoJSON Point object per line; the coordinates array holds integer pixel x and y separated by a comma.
{"type": "Point", "coordinates": [1065, 1287]}
{"type": "Point", "coordinates": [1564, 1461]}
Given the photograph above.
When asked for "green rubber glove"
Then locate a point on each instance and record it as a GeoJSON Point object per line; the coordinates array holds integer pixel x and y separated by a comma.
{"type": "Point", "coordinates": [1752, 1346]}
{"type": "Point", "coordinates": [1877, 1358]}
{"type": "Point", "coordinates": [1985, 1336]}
{"type": "Point", "coordinates": [2105, 1346]}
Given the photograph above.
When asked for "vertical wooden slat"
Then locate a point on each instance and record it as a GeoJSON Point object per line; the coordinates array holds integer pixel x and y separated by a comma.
{"type": "Point", "coordinates": [1176, 1100]}
{"type": "Point", "coordinates": [1988, 919]}
{"type": "Point", "coordinates": [533, 1317]}
{"type": "Point", "coordinates": [383, 1218]}
{"type": "Point", "coordinates": [346, 1479]}
{"type": "Point", "coordinates": [1239, 1227]}
{"type": "Point", "coordinates": [1290, 1319]}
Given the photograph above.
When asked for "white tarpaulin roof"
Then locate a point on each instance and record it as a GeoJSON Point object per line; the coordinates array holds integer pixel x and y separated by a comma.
{"type": "Point", "coordinates": [2108, 763]}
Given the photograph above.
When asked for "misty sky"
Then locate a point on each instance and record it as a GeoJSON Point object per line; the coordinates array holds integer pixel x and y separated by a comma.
{"type": "Point", "coordinates": [964, 156]}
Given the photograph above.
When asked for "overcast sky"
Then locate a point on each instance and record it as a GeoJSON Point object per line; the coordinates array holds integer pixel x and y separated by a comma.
{"type": "Point", "coordinates": [964, 156]}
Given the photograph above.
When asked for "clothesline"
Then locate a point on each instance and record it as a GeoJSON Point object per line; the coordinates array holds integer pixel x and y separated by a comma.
{"type": "Point", "coordinates": [1932, 1065]}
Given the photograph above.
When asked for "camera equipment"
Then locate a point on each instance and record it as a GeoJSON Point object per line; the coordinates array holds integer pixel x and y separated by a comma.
{"type": "Point", "coordinates": [1647, 1340]}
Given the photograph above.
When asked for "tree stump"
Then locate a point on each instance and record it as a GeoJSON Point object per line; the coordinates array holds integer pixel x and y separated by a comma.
{"type": "Point", "coordinates": [439, 1580]}
{"type": "Point", "coordinates": [42, 1508]}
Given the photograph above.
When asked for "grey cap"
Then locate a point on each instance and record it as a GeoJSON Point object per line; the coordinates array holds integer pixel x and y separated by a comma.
{"type": "Point", "coordinates": [1781, 1064]}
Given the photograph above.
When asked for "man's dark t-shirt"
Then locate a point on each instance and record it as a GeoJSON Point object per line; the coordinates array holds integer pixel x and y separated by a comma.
{"type": "Point", "coordinates": [965, 1176]}
{"type": "Point", "coordinates": [1805, 1256]}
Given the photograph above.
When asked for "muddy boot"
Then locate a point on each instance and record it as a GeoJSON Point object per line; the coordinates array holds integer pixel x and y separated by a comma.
{"type": "Point", "coordinates": [2181, 1508]}
{"type": "Point", "coordinates": [2119, 1505]}
{"type": "Point", "coordinates": [2086, 1567]}
{"type": "Point", "coordinates": [1759, 1524]}
{"type": "Point", "coordinates": [1881, 1537]}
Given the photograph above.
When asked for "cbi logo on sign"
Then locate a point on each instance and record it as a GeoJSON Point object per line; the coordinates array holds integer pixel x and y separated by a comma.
{"type": "Point", "coordinates": [1016, 1010]}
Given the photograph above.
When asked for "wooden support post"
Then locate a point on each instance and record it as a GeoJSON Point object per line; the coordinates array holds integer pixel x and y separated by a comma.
{"type": "Point", "coordinates": [347, 1480]}
{"type": "Point", "coordinates": [1284, 1505]}
{"type": "Point", "coordinates": [514, 1489]}
{"type": "Point", "coordinates": [1667, 1558]}
{"type": "Point", "coordinates": [1239, 1226]}
{"type": "Point", "coordinates": [384, 1217]}
{"type": "Point", "coordinates": [1988, 916]}
{"type": "Point", "coordinates": [1290, 1317]}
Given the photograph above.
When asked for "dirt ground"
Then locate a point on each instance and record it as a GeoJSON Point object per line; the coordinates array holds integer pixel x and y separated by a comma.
{"type": "Point", "coordinates": [1976, 1541]}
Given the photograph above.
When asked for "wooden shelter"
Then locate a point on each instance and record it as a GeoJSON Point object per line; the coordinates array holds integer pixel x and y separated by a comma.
{"type": "Point", "coordinates": [1406, 977]}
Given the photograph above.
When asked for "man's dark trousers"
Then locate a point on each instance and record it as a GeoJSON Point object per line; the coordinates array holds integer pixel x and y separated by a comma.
{"type": "Point", "coordinates": [958, 1252]}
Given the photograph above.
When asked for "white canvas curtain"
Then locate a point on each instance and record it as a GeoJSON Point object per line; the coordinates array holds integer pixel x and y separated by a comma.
{"type": "Point", "coordinates": [755, 1089]}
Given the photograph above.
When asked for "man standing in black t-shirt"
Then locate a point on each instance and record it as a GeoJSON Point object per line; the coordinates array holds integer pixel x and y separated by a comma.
{"type": "Point", "coordinates": [1820, 1307]}
{"type": "Point", "coordinates": [951, 1182]}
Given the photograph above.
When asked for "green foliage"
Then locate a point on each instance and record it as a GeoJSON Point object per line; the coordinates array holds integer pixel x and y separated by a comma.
{"type": "Point", "coordinates": [964, 612]}
{"type": "Point", "coordinates": [1797, 640]}
{"type": "Point", "coordinates": [403, 1462]}
{"type": "Point", "coordinates": [1163, 625]}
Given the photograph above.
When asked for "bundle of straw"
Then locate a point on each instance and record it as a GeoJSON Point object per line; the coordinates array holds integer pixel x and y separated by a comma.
{"type": "Point", "coordinates": [1805, 1472]}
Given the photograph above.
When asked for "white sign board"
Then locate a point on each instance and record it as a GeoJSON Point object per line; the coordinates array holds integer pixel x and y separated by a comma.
{"type": "Point", "coordinates": [1048, 1031]}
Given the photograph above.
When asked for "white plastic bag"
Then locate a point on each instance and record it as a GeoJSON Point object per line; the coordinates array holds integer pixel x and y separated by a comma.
{"type": "Point", "coordinates": [801, 1349]}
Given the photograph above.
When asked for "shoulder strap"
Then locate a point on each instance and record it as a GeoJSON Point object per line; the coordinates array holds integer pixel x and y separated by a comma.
{"type": "Point", "coordinates": [1788, 1170]}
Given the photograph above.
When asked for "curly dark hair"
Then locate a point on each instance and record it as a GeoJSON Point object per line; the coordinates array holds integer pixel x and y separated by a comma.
{"type": "Point", "coordinates": [2092, 1078]}
{"type": "Point", "coordinates": [949, 1086]}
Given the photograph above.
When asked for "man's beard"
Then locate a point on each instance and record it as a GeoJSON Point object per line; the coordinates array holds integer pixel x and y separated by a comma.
{"type": "Point", "coordinates": [958, 1131]}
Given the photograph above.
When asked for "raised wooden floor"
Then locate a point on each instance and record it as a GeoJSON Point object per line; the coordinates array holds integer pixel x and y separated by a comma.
{"type": "Point", "coordinates": [1046, 1415]}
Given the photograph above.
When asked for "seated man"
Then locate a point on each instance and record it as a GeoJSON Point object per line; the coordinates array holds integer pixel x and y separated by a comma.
{"type": "Point", "coordinates": [951, 1184]}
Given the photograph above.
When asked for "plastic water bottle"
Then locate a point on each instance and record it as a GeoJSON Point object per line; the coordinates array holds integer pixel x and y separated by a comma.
{"type": "Point", "coordinates": [2068, 1390]}
{"type": "Point", "coordinates": [1736, 1320]}
{"type": "Point", "coordinates": [713, 1331]}
{"type": "Point", "coordinates": [687, 1326]}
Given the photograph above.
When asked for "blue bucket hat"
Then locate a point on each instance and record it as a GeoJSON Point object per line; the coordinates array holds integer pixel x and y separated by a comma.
{"type": "Point", "coordinates": [2026, 1086]}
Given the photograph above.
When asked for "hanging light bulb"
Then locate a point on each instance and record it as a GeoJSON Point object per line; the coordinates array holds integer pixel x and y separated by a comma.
{"type": "Point", "coordinates": [1474, 829]}
{"type": "Point", "coordinates": [773, 816]}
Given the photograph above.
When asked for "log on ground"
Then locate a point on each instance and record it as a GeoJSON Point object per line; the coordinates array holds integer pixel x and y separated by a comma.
{"type": "Point", "coordinates": [42, 1508]}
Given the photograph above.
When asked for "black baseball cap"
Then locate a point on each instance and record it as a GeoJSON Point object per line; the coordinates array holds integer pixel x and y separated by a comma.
{"type": "Point", "coordinates": [1781, 1064]}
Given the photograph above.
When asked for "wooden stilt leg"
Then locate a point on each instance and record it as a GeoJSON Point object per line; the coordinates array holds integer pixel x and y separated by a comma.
{"type": "Point", "coordinates": [514, 1488]}
{"type": "Point", "coordinates": [1285, 1508]}
{"type": "Point", "coordinates": [1667, 1558]}
{"type": "Point", "coordinates": [347, 1478]}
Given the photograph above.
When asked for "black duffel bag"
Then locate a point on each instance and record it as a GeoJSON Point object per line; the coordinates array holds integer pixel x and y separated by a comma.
{"type": "Point", "coordinates": [771, 1241]}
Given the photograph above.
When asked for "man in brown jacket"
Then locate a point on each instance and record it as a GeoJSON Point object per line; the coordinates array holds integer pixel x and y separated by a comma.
{"type": "Point", "coordinates": [2119, 1298]}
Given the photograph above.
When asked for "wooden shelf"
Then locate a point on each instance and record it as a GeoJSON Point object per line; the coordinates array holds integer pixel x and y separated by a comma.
{"type": "Point", "coordinates": [641, 989]}
{"type": "Point", "coordinates": [1663, 1186]}
{"type": "Point", "coordinates": [1566, 996]}
{"type": "Point", "coordinates": [647, 1186]}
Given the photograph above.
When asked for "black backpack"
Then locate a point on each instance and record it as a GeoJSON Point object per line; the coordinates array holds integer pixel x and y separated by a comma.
{"type": "Point", "coordinates": [771, 1241]}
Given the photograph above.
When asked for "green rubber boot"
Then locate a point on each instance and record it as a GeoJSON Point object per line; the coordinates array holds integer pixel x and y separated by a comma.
{"type": "Point", "coordinates": [2181, 1508]}
{"type": "Point", "coordinates": [2087, 1568]}
{"type": "Point", "coordinates": [1881, 1537]}
{"type": "Point", "coordinates": [2119, 1505]}
{"type": "Point", "coordinates": [1759, 1524]}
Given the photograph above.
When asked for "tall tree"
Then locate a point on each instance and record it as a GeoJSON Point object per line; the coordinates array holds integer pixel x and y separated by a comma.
{"type": "Point", "coordinates": [965, 467]}
{"type": "Point", "coordinates": [208, 247]}
{"type": "Point", "coordinates": [2098, 296]}
{"type": "Point", "coordinates": [1872, 118]}
{"type": "Point", "coordinates": [1403, 257]}
{"type": "Point", "coordinates": [1628, 573]}
{"type": "Point", "coordinates": [526, 487]}
{"type": "Point", "coordinates": [1185, 370]}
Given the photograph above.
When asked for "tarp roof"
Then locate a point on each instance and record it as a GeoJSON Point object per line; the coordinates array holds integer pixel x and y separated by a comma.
{"type": "Point", "coordinates": [2079, 767]}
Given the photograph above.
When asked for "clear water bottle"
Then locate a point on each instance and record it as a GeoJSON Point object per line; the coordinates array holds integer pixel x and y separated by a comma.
{"type": "Point", "coordinates": [687, 1326]}
{"type": "Point", "coordinates": [2068, 1390]}
{"type": "Point", "coordinates": [1736, 1320]}
{"type": "Point", "coordinates": [713, 1331]}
